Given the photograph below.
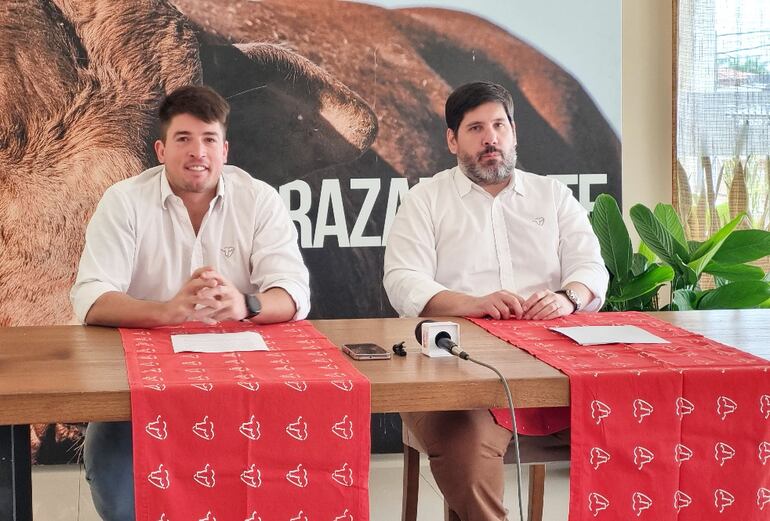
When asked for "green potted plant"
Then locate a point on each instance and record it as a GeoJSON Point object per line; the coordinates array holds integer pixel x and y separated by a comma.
{"type": "Point", "coordinates": [665, 256]}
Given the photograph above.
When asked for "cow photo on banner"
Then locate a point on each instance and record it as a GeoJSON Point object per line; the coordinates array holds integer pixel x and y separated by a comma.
{"type": "Point", "coordinates": [337, 104]}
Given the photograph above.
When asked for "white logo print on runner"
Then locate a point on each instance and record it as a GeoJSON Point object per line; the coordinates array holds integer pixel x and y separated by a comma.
{"type": "Point", "coordinates": [157, 429]}
{"type": "Point", "coordinates": [251, 386]}
{"type": "Point", "coordinates": [599, 457]}
{"type": "Point", "coordinates": [725, 406]}
{"type": "Point", "coordinates": [345, 385]}
{"type": "Point", "coordinates": [343, 476]}
{"type": "Point", "coordinates": [642, 457]}
{"type": "Point", "coordinates": [299, 517]}
{"type": "Point", "coordinates": [159, 478]}
{"type": "Point", "coordinates": [346, 516]}
{"type": "Point", "coordinates": [723, 499]}
{"type": "Point", "coordinates": [204, 429]}
{"type": "Point", "coordinates": [597, 503]}
{"type": "Point", "coordinates": [297, 429]}
{"type": "Point", "coordinates": [297, 477]}
{"type": "Point", "coordinates": [599, 411]}
{"type": "Point", "coordinates": [252, 476]}
{"type": "Point", "coordinates": [681, 500]}
{"type": "Point", "coordinates": [206, 477]}
{"type": "Point", "coordinates": [763, 498]}
{"type": "Point", "coordinates": [682, 453]}
{"type": "Point", "coordinates": [343, 428]}
{"type": "Point", "coordinates": [764, 452]}
{"type": "Point", "coordinates": [723, 452]}
{"type": "Point", "coordinates": [204, 387]}
{"type": "Point", "coordinates": [684, 407]}
{"type": "Point", "coordinates": [297, 386]}
{"type": "Point", "coordinates": [642, 409]}
{"type": "Point", "coordinates": [208, 517]}
{"type": "Point", "coordinates": [250, 429]}
{"type": "Point", "coordinates": [253, 517]}
{"type": "Point", "coordinates": [640, 503]}
{"type": "Point", "coordinates": [764, 406]}
{"type": "Point", "coordinates": [163, 517]}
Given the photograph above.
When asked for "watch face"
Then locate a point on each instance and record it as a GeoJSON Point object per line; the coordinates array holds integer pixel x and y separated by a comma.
{"type": "Point", "coordinates": [573, 298]}
{"type": "Point", "coordinates": [253, 305]}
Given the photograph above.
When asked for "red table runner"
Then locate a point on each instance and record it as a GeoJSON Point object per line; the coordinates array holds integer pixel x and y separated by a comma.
{"type": "Point", "coordinates": [248, 436]}
{"type": "Point", "coordinates": [677, 431]}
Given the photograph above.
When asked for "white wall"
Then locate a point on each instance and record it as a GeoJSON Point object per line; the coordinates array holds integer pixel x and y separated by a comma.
{"type": "Point", "coordinates": [646, 102]}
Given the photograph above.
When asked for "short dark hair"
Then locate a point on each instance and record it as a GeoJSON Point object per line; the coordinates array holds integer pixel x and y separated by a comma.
{"type": "Point", "coordinates": [197, 100]}
{"type": "Point", "coordinates": [469, 96]}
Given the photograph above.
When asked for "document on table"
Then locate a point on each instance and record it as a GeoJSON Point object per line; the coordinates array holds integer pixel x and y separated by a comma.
{"type": "Point", "coordinates": [219, 342]}
{"type": "Point", "coordinates": [596, 335]}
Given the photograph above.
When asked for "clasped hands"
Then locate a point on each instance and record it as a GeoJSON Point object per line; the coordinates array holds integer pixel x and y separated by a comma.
{"type": "Point", "coordinates": [502, 305]}
{"type": "Point", "coordinates": [208, 297]}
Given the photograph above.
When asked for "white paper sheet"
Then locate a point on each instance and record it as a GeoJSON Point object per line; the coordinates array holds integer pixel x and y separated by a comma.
{"type": "Point", "coordinates": [596, 335]}
{"type": "Point", "coordinates": [219, 342]}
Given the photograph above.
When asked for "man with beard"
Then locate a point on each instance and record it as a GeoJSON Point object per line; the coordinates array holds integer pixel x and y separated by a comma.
{"type": "Point", "coordinates": [486, 239]}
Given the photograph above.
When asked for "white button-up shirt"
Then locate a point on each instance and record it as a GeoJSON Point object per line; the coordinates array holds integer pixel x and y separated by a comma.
{"type": "Point", "coordinates": [451, 234]}
{"type": "Point", "coordinates": [140, 241]}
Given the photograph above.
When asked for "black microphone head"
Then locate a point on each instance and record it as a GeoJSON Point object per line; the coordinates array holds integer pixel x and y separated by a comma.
{"type": "Point", "coordinates": [443, 335]}
{"type": "Point", "coordinates": [418, 330]}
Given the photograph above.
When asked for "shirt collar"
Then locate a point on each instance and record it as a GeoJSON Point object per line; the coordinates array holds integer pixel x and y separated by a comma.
{"type": "Point", "coordinates": [465, 185]}
{"type": "Point", "coordinates": [166, 191]}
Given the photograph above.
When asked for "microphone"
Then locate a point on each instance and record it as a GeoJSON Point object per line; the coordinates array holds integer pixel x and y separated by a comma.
{"type": "Point", "coordinates": [442, 338]}
{"type": "Point", "coordinates": [430, 335]}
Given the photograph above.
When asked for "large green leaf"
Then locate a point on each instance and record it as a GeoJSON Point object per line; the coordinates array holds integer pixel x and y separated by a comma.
{"type": "Point", "coordinates": [703, 255]}
{"type": "Point", "coordinates": [736, 295]}
{"type": "Point", "coordinates": [684, 299]}
{"type": "Point", "coordinates": [744, 246]}
{"type": "Point", "coordinates": [655, 276]}
{"type": "Point", "coordinates": [735, 272]}
{"type": "Point", "coordinates": [615, 243]}
{"type": "Point", "coordinates": [639, 264]}
{"type": "Point", "coordinates": [647, 252]}
{"type": "Point", "coordinates": [656, 236]}
{"type": "Point", "coordinates": [670, 220]}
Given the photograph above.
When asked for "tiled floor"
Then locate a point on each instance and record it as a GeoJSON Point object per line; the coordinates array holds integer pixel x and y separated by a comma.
{"type": "Point", "coordinates": [61, 492]}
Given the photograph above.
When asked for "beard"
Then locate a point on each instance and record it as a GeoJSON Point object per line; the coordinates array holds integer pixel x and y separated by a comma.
{"type": "Point", "coordinates": [489, 172]}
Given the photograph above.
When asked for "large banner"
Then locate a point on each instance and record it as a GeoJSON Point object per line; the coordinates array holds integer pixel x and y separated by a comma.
{"type": "Point", "coordinates": [337, 104]}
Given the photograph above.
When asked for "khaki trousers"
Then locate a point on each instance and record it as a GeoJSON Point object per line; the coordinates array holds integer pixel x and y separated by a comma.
{"type": "Point", "coordinates": [466, 450]}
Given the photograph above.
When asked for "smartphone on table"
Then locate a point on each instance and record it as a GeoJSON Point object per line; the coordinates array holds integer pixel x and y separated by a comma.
{"type": "Point", "coordinates": [366, 351]}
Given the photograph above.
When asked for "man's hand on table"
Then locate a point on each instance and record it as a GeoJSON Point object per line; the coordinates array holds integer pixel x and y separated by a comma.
{"type": "Point", "coordinates": [547, 305]}
{"type": "Point", "coordinates": [216, 299]}
{"type": "Point", "coordinates": [500, 305]}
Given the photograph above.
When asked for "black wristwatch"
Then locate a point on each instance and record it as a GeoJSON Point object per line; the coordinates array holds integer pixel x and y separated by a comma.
{"type": "Point", "coordinates": [572, 297]}
{"type": "Point", "coordinates": [253, 305]}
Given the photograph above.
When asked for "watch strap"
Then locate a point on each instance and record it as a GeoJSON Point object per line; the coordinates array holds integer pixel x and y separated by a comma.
{"type": "Point", "coordinates": [253, 305]}
{"type": "Point", "coordinates": [572, 297]}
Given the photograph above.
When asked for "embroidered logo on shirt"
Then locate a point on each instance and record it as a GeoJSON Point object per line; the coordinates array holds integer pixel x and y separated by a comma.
{"type": "Point", "coordinates": [539, 221]}
{"type": "Point", "coordinates": [227, 251]}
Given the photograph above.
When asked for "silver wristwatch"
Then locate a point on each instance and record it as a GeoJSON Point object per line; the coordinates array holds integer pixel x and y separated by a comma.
{"type": "Point", "coordinates": [572, 297]}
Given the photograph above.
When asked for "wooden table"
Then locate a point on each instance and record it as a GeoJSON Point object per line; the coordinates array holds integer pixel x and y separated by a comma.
{"type": "Point", "coordinates": [77, 374]}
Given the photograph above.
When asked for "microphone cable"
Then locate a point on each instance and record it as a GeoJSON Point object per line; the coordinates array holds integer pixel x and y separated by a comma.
{"type": "Point", "coordinates": [517, 454]}
{"type": "Point", "coordinates": [445, 342]}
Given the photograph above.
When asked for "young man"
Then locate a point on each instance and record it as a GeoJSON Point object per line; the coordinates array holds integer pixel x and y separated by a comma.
{"type": "Point", "coordinates": [191, 239]}
{"type": "Point", "coordinates": [486, 239]}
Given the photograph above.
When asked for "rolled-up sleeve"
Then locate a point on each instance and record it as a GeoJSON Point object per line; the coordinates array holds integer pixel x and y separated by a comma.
{"type": "Point", "coordinates": [276, 261]}
{"type": "Point", "coordinates": [579, 250]}
{"type": "Point", "coordinates": [108, 255]}
{"type": "Point", "coordinates": [410, 258]}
